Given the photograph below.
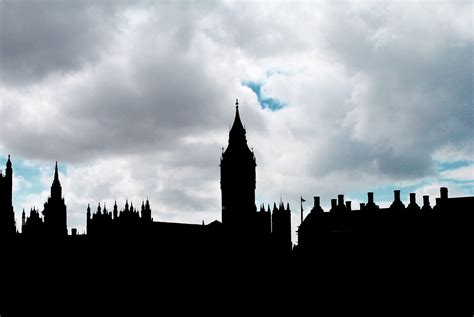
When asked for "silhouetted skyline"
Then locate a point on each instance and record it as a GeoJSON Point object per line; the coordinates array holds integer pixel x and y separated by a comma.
{"type": "Point", "coordinates": [337, 98]}
{"type": "Point", "coordinates": [240, 217]}
{"type": "Point", "coordinates": [165, 197]}
{"type": "Point", "coordinates": [122, 245]}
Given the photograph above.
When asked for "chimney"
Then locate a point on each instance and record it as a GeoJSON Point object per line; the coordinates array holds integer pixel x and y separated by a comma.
{"type": "Point", "coordinates": [426, 201]}
{"type": "Point", "coordinates": [333, 204]}
{"type": "Point", "coordinates": [412, 198]}
{"type": "Point", "coordinates": [340, 200]}
{"type": "Point", "coordinates": [396, 195]}
{"type": "Point", "coordinates": [444, 193]}
{"type": "Point", "coordinates": [362, 206]}
{"type": "Point", "coordinates": [348, 205]}
{"type": "Point", "coordinates": [438, 200]}
{"type": "Point", "coordinates": [317, 202]}
{"type": "Point", "coordinates": [370, 196]}
{"type": "Point", "coordinates": [74, 232]}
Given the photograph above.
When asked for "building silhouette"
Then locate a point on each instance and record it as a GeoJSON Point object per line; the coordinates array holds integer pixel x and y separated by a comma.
{"type": "Point", "coordinates": [395, 225]}
{"type": "Point", "coordinates": [125, 251]}
{"type": "Point", "coordinates": [54, 212]}
{"type": "Point", "coordinates": [242, 225]}
{"type": "Point", "coordinates": [7, 216]}
{"type": "Point", "coordinates": [238, 180]}
{"type": "Point", "coordinates": [53, 223]}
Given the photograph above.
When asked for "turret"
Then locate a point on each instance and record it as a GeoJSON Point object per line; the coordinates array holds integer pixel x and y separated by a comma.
{"type": "Point", "coordinates": [55, 213]}
{"type": "Point", "coordinates": [23, 218]}
{"type": "Point", "coordinates": [56, 190]}
{"type": "Point", "coordinates": [115, 211]}
{"type": "Point", "coordinates": [88, 212]}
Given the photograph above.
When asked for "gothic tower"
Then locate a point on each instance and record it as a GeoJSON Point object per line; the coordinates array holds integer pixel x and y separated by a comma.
{"type": "Point", "coordinates": [55, 209]}
{"type": "Point", "coordinates": [7, 217]}
{"type": "Point", "coordinates": [238, 179]}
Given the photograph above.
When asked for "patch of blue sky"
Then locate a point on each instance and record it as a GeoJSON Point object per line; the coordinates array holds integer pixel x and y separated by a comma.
{"type": "Point", "coordinates": [385, 193]}
{"type": "Point", "coordinates": [265, 102]}
{"type": "Point", "coordinates": [450, 165]}
{"type": "Point", "coordinates": [29, 176]}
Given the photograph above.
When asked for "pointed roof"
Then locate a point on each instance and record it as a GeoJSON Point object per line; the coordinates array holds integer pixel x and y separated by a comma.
{"type": "Point", "coordinates": [9, 163]}
{"type": "Point", "coordinates": [237, 132]}
{"type": "Point", "coordinates": [147, 204]}
{"type": "Point", "coordinates": [56, 176]}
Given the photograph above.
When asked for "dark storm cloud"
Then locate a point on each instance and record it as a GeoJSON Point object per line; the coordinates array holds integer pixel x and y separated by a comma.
{"type": "Point", "coordinates": [144, 94]}
{"type": "Point", "coordinates": [38, 38]}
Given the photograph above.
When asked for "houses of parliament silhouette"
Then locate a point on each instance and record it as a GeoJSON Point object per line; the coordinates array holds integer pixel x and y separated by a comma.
{"type": "Point", "coordinates": [122, 246]}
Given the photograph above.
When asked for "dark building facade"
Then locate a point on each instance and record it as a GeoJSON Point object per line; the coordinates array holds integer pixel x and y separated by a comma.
{"type": "Point", "coordinates": [240, 217]}
{"type": "Point", "coordinates": [7, 216]}
{"type": "Point", "coordinates": [53, 223]}
{"type": "Point", "coordinates": [54, 212]}
{"type": "Point", "coordinates": [105, 223]}
{"type": "Point", "coordinates": [396, 225]}
{"type": "Point", "coordinates": [238, 179]}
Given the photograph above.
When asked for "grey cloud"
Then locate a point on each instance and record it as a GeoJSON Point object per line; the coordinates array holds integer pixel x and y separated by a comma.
{"type": "Point", "coordinates": [419, 94]}
{"type": "Point", "coordinates": [38, 38]}
{"type": "Point", "coordinates": [390, 95]}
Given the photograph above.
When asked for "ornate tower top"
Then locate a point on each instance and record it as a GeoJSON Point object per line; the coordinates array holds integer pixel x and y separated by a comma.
{"type": "Point", "coordinates": [56, 190]}
{"type": "Point", "coordinates": [237, 132]}
{"type": "Point", "coordinates": [9, 163]}
{"type": "Point", "coordinates": [56, 176]}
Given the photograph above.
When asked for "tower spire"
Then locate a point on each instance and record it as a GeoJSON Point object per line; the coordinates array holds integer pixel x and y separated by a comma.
{"type": "Point", "coordinates": [56, 176]}
{"type": "Point", "coordinates": [237, 132]}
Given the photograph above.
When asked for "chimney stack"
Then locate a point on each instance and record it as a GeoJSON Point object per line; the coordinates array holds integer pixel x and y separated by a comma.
{"type": "Point", "coordinates": [333, 204]}
{"type": "Point", "coordinates": [317, 201]}
{"type": "Point", "coordinates": [362, 206]}
{"type": "Point", "coordinates": [396, 195]}
{"type": "Point", "coordinates": [412, 198]}
{"type": "Point", "coordinates": [370, 197]}
{"type": "Point", "coordinates": [348, 205]}
{"type": "Point", "coordinates": [340, 200]}
{"type": "Point", "coordinates": [426, 201]}
{"type": "Point", "coordinates": [444, 193]}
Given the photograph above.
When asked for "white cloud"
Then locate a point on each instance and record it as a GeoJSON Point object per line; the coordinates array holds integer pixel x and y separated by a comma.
{"type": "Point", "coordinates": [465, 173]}
{"type": "Point", "coordinates": [140, 103]}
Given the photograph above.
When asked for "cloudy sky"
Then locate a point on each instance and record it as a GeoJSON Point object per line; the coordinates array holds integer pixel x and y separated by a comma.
{"type": "Point", "coordinates": [135, 100]}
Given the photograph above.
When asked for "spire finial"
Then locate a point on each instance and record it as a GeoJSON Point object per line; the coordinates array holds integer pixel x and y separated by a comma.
{"type": "Point", "coordinates": [9, 163]}
{"type": "Point", "coordinates": [237, 103]}
{"type": "Point", "coordinates": [56, 176]}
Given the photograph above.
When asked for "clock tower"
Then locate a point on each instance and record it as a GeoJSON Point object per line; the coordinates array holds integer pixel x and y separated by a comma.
{"type": "Point", "coordinates": [238, 179]}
